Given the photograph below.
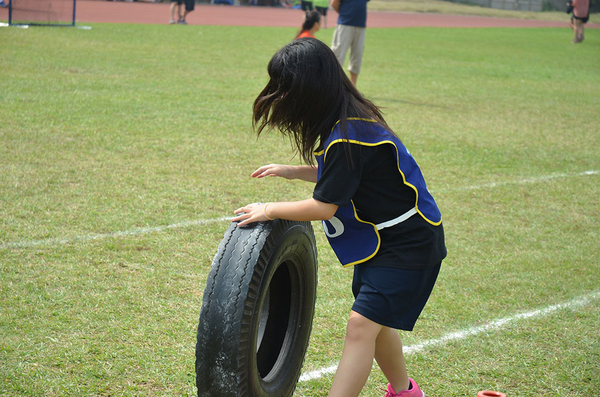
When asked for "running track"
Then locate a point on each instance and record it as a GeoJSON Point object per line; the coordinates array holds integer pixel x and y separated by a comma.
{"type": "Point", "coordinates": [158, 13]}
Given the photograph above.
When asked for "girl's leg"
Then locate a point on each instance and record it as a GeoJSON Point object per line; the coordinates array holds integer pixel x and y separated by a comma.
{"type": "Point", "coordinates": [389, 356]}
{"type": "Point", "coordinates": [357, 357]}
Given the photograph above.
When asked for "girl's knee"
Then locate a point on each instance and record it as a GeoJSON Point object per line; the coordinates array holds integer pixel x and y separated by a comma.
{"type": "Point", "coordinates": [360, 328]}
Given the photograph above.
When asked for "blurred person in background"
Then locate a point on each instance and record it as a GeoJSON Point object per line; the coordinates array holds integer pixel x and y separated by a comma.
{"type": "Point", "coordinates": [581, 14]}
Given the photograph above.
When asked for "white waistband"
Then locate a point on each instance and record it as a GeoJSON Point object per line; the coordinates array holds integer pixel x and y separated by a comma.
{"type": "Point", "coordinates": [397, 220]}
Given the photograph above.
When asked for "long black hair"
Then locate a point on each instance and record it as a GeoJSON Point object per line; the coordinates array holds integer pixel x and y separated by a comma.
{"type": "Point", "coordinates": [310, 19]}
{"type": "Point", "coordinates": [307, 94]}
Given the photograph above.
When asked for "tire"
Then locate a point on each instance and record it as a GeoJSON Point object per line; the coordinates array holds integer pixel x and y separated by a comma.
{"type": "Point", "coordinates": [257, 311]}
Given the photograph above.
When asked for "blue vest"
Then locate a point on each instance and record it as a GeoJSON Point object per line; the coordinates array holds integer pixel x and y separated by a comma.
{"type": "Point", "coordinates": [354, 240]}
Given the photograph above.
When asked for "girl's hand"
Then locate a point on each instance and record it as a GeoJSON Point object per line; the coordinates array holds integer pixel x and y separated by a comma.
{"type": "Point", "coordinates": [250, 214]}
{"type": "Point", "coordinates": [284, 171]}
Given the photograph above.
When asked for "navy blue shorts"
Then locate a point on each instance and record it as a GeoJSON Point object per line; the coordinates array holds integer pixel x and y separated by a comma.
{"type": "Point", "coordinates": [392, 297]}
{"type": "Point", "coordinates": [189, 5]}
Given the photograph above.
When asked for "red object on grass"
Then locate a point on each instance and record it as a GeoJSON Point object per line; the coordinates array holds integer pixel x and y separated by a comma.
{"type": "Point", "coordinates": [487, 393]}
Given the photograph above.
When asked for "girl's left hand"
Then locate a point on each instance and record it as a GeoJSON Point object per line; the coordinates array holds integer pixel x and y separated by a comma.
{"type": "Point", "coordinates": [249, 214]}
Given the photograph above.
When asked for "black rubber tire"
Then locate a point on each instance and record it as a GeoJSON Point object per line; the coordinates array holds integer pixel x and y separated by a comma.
{"type": "Point", "coordinates": [257, 311]}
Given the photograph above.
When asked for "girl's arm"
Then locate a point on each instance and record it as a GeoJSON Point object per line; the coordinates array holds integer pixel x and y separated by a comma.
{"type": "Point", "coordinates": [305, 210]}
{"type": "Point", "coordinates": [304, 172]}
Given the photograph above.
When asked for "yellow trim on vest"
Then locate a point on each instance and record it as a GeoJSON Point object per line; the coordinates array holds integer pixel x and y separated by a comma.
{"type": "Point", "coordinates": [376, 232]}
{"type": "Point", "coordinates": [399, 170]}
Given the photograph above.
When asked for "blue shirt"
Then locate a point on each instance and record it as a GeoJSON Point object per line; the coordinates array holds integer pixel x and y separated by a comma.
{"type": "Point", "coordinates": [353, 13]}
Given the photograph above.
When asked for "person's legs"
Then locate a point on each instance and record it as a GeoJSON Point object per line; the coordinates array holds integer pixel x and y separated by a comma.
{"type": "Point", "coordinates": [389, 356]}
{"type": "Point", "coordinates": [357, 357]}
{"type": "Point", "coordinates": [572, 23]}
{"type": "Point", "coordinates": [386, 299]}
{"type": "Point", "coordinates": [356, 52]}
{"type": "Point", "coordinates": [340, 43]}
{"type": "Point", "coordinates": [189, 7]}
{"type": "Point", "coordinates": [174, 6]}
{"type": "Point", "coordinates": [580, 30]}
{"type": "Point", "coordinates": [179, 11]}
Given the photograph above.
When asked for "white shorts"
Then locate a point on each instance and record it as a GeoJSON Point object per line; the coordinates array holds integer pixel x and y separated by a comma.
{"type": "Point", "coordinates": [351, 37]}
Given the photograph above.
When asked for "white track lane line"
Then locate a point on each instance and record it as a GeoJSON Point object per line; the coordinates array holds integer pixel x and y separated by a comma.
{"type": "Point", "coordinates": [491, 326]}
{"type": "Point", "coordinates": [146, 230]}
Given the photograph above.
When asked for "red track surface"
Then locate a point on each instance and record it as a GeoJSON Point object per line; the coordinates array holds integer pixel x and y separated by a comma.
{"type": "Point", "coordinates": [204, 14]}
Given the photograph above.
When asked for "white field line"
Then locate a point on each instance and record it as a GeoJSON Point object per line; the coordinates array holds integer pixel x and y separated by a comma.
{"type": "Point", "coordinates": [199, 222]}
{"type": "Point", "coordinates": [491, 326]}
{"type": "Point", "coordinates": [525, 181]}
{"type": "Point", "coordinates": [90, 237]}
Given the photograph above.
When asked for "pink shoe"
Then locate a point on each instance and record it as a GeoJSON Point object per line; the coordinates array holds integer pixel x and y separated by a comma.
{"type": "Point", "coordinates": [414, 391]}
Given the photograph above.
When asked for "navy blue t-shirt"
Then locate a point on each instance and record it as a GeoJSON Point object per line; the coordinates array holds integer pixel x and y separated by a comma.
{"type": "Point", "coordinates": [353, 13]}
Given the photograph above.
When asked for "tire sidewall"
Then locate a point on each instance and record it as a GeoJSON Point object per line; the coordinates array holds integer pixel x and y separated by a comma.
{"type": "Point", "coordinates": [250, 262]}
{"type": "Point", "coordinates": [291, 251]}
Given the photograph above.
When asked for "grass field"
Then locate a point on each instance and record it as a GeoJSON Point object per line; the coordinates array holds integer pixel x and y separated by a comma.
{"type": "Point", "coordinates": [124, 147]}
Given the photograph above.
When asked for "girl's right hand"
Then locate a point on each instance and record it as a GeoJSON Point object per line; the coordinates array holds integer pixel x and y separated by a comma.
{"type": "Point", "coordinates": [284, 171]}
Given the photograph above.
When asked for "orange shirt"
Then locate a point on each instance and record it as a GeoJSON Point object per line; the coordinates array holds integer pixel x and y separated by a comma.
{"type": "Point", "coordinates": [306, 33]}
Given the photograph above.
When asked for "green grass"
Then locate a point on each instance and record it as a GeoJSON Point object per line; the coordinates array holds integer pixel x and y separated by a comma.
{"type": "Point", "coordinates": [108, 131]}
